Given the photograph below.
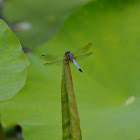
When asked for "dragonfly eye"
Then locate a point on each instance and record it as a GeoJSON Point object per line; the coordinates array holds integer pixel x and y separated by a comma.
{"type": "Point", "coordinates": [67, 52]}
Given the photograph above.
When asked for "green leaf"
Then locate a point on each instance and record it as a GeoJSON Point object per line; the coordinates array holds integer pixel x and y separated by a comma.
{"type": "Point", "coordinates": [12, 63]}
{"type": "Point", "coordinates": [35, 21]}
{"type": "Point", "coordinates": [70, 117]}
{"type": "Point", "coordinates": [107, 92]}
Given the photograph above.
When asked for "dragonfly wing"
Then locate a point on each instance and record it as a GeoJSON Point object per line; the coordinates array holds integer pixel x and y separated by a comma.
{"type": "Point", "coordinates": [83, 50]}
{"type": "Point", "coordinates": [50, 57]}
{"type": "Point", "coordinates": [81, 57]}
{"type": "Point", "coordinates": [53, 63]}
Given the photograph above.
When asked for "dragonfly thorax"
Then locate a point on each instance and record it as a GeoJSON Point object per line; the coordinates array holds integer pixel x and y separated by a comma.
{"type": "Point", "coordinates": [69, 56]}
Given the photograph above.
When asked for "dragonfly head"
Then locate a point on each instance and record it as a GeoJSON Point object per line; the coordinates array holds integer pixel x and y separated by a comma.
{"type": "Point", "coordinates": [67, 52]}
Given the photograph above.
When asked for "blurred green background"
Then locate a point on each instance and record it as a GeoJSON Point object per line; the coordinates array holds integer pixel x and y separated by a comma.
{"type": "Point", "coordinates": [41, 20]}
{"type": "Point", "coordinates": [107, 91]}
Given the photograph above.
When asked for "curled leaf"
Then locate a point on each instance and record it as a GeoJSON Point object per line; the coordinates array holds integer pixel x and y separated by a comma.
{"type": "Point", "coordinates": [70, 117]}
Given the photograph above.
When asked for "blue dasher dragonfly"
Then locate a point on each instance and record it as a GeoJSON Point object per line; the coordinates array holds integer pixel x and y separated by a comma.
{"type": "Point", "coordinates": [69, 57]}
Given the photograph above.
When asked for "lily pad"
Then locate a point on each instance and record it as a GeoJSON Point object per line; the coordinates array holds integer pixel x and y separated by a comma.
{"type": "Point", "coordinates": [13, 63]}
{"type": "Point", "coordinates": [107, 92]}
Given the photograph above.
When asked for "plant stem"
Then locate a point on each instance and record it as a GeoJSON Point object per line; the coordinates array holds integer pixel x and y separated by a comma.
{"type": "Point", "coordinates": [70, 117]}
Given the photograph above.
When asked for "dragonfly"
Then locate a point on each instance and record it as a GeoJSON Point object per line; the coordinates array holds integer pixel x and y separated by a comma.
{"type": "Point", "coordinates": [69, 57]}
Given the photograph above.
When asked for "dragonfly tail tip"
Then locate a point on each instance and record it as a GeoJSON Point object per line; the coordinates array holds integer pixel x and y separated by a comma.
{"type": "Point", "coordinates": [80, 70]}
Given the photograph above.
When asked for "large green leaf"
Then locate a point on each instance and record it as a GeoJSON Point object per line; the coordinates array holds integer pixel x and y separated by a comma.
{"type": "Point", "coordinates": [13, 63]}
{"type": "Point", "coordinates": [107, 92]}
{"type": "Point", "coordinates": [42, 18]}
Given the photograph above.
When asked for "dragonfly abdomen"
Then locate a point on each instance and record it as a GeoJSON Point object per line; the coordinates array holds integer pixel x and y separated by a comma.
{"type": "Point", "coordinates": [74, 62]}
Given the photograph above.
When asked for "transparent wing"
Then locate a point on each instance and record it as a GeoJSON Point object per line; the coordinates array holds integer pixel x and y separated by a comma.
{"type": "Point", "coordinates": [81, 57]}
{"type": "Point", "coordinates": [57, 59]}
{"type": "Point", "coordinates": [83, 50]}
{"type": "Point", "coordinates": [51, 58]}
{"type": "Point", "coordinates": [59, 62]}
{"type": "Point", "coordinates": [53, 63]}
